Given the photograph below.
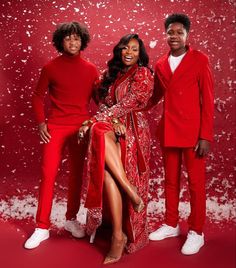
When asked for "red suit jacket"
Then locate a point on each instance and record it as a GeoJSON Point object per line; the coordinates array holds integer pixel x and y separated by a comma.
{"type": "Point", "coordinates": [188, 100]}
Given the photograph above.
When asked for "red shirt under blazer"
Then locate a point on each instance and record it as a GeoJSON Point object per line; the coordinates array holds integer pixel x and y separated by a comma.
{"type": "Point", "coordinates": [188, 100]}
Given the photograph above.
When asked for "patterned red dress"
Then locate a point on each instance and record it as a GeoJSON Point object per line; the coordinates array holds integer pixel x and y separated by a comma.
{"type": "Point", "coordinates": [126, 100]}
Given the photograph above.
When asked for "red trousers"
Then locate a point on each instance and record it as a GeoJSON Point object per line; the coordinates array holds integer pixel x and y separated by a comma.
{"type": "Point", "coordinates": [195, 167]}
{"type": "Point", "coordinates": [62, 136]}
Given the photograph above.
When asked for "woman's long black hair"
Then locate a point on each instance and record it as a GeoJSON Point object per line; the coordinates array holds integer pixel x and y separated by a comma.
{"type": "Point", "coordinates": [115, 65]}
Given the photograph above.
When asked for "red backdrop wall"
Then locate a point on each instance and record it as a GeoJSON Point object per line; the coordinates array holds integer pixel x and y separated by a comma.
{"type": "Point", "coordinates": [26, 28]}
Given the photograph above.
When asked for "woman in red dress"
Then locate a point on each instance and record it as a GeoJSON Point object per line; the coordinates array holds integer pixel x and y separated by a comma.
{"type": "Point", "coordinates": [119, 148]}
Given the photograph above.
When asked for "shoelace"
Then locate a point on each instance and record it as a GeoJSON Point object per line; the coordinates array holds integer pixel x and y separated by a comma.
{"type": "Point", "coordinates": [36, 233]}
{"type": "Point", "coordinates": [163, 226]}
{"type": "Point", "coordinates": [35, 236]}
{"type": "Point", "coordinates": [192, 236]}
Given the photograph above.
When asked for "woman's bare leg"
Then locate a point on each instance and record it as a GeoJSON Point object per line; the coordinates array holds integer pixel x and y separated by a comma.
{"type": "Point", "coordinates": [114, 163]}
{"type": "Point", "coordinates": [115, 204]}
{"type": "Point", "coordinates": [119, 239]}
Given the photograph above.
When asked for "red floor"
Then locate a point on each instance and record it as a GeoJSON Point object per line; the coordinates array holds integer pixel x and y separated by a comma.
{"type": "Point", "coordinates": [63, 251]}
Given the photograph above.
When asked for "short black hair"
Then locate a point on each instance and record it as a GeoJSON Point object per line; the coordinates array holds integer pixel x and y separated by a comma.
{"type": "Point", "coordinates": [69, 28]}
{"type": "Point", "coordinates": [178, 17]}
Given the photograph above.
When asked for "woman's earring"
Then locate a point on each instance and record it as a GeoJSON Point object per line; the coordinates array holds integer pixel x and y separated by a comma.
{"type": "Point", "coordinates": [140, 62]}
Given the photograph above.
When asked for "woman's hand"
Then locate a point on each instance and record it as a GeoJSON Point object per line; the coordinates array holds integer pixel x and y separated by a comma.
{"type": "Point", "coordinates": [82, 131]}
{"type": "Point", "coordinates": [202, 148]}
{"type": "Point", "coordinates": [43, 132]}
{"type": "Point", "coordinates": [119, 129]}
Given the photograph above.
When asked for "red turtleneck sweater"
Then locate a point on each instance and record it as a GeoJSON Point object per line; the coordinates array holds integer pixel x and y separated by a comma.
{"type": "Point", "coordinates": [70, 82]}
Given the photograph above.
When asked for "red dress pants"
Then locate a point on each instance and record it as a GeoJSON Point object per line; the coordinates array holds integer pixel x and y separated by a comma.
{"type": "Point", "coordinates": [195, 167]}
{"type": "Point", "coordinates": [62, 136]}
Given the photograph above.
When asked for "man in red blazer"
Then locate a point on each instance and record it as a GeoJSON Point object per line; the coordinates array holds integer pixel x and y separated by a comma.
{"type": "Point", "coordinates": [184, 79]}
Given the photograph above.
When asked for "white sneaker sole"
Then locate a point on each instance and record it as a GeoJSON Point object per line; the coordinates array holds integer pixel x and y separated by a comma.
{"type": "Point", "coordinates": [192, 252]}
{"type": "Point", "coordinates": [164, 237]}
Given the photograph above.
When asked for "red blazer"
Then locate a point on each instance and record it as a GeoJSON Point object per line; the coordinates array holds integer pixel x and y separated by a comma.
{"type": "Point", "coordinates": [188, 100]}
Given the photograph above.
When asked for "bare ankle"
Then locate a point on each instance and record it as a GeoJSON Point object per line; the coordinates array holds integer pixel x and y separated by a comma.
{"type": "Point", "coordinates": [117, 235]}
{"type": "Point", "coordinates": [136, 200]}
{"type": "Point", "coordinates": [116, 250]}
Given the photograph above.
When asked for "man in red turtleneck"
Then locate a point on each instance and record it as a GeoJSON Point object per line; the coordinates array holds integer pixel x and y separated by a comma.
{"type": "Point", "coordinates": [70, 82]}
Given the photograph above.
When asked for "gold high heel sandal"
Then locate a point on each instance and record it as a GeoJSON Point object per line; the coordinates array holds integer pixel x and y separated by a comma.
{"type": "Point", "coordinates": [118, 246]}
{"type": "Point", "coordinates": [92, 237]}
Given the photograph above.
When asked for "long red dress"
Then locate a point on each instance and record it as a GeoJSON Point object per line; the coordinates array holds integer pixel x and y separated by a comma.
{"type": "Point", "coordinates": [126, 99]}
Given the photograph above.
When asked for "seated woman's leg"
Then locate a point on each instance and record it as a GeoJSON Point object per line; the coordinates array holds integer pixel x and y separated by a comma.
{"type": "Point", "coordinates": [119, 239]}
{"type": "Point", "coordinates": [114, 163]}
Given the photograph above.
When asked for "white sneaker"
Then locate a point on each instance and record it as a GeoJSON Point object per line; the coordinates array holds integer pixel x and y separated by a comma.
{"type": "Point", "coordinates": [36, 238]}
{"type": "Point", "coordinates": [193, 243]}
{"type": "Point", "coordinates": [163, 232]}
{"type": "Point", "coordinates": [75, 228]}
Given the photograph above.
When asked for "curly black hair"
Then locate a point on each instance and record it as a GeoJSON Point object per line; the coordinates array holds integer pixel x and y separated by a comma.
{"type": "Point", "coordinates": [115, 65]}
{"type": "Point", "coordinates": [68, 28]}
{"type": "Point", "coordinates": [178, 17]}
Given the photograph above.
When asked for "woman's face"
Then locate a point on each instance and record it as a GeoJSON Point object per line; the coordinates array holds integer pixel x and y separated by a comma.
{"type": "Point", "coordinates": [72, 44]}
{"type": "Point", "coordinates": [130, 53]}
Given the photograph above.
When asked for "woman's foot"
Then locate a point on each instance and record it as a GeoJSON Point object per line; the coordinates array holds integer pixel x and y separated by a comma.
{"type": "Point", "coordinates": [139, 207]}
{"type": "Point", "coordinates": [116, 251]}
{"type": "Point", "coordinates": [137, 201]}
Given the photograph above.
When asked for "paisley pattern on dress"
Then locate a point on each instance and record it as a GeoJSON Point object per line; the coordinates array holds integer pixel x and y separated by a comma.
{"type": "Point", "coordinates": [126, 101]}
